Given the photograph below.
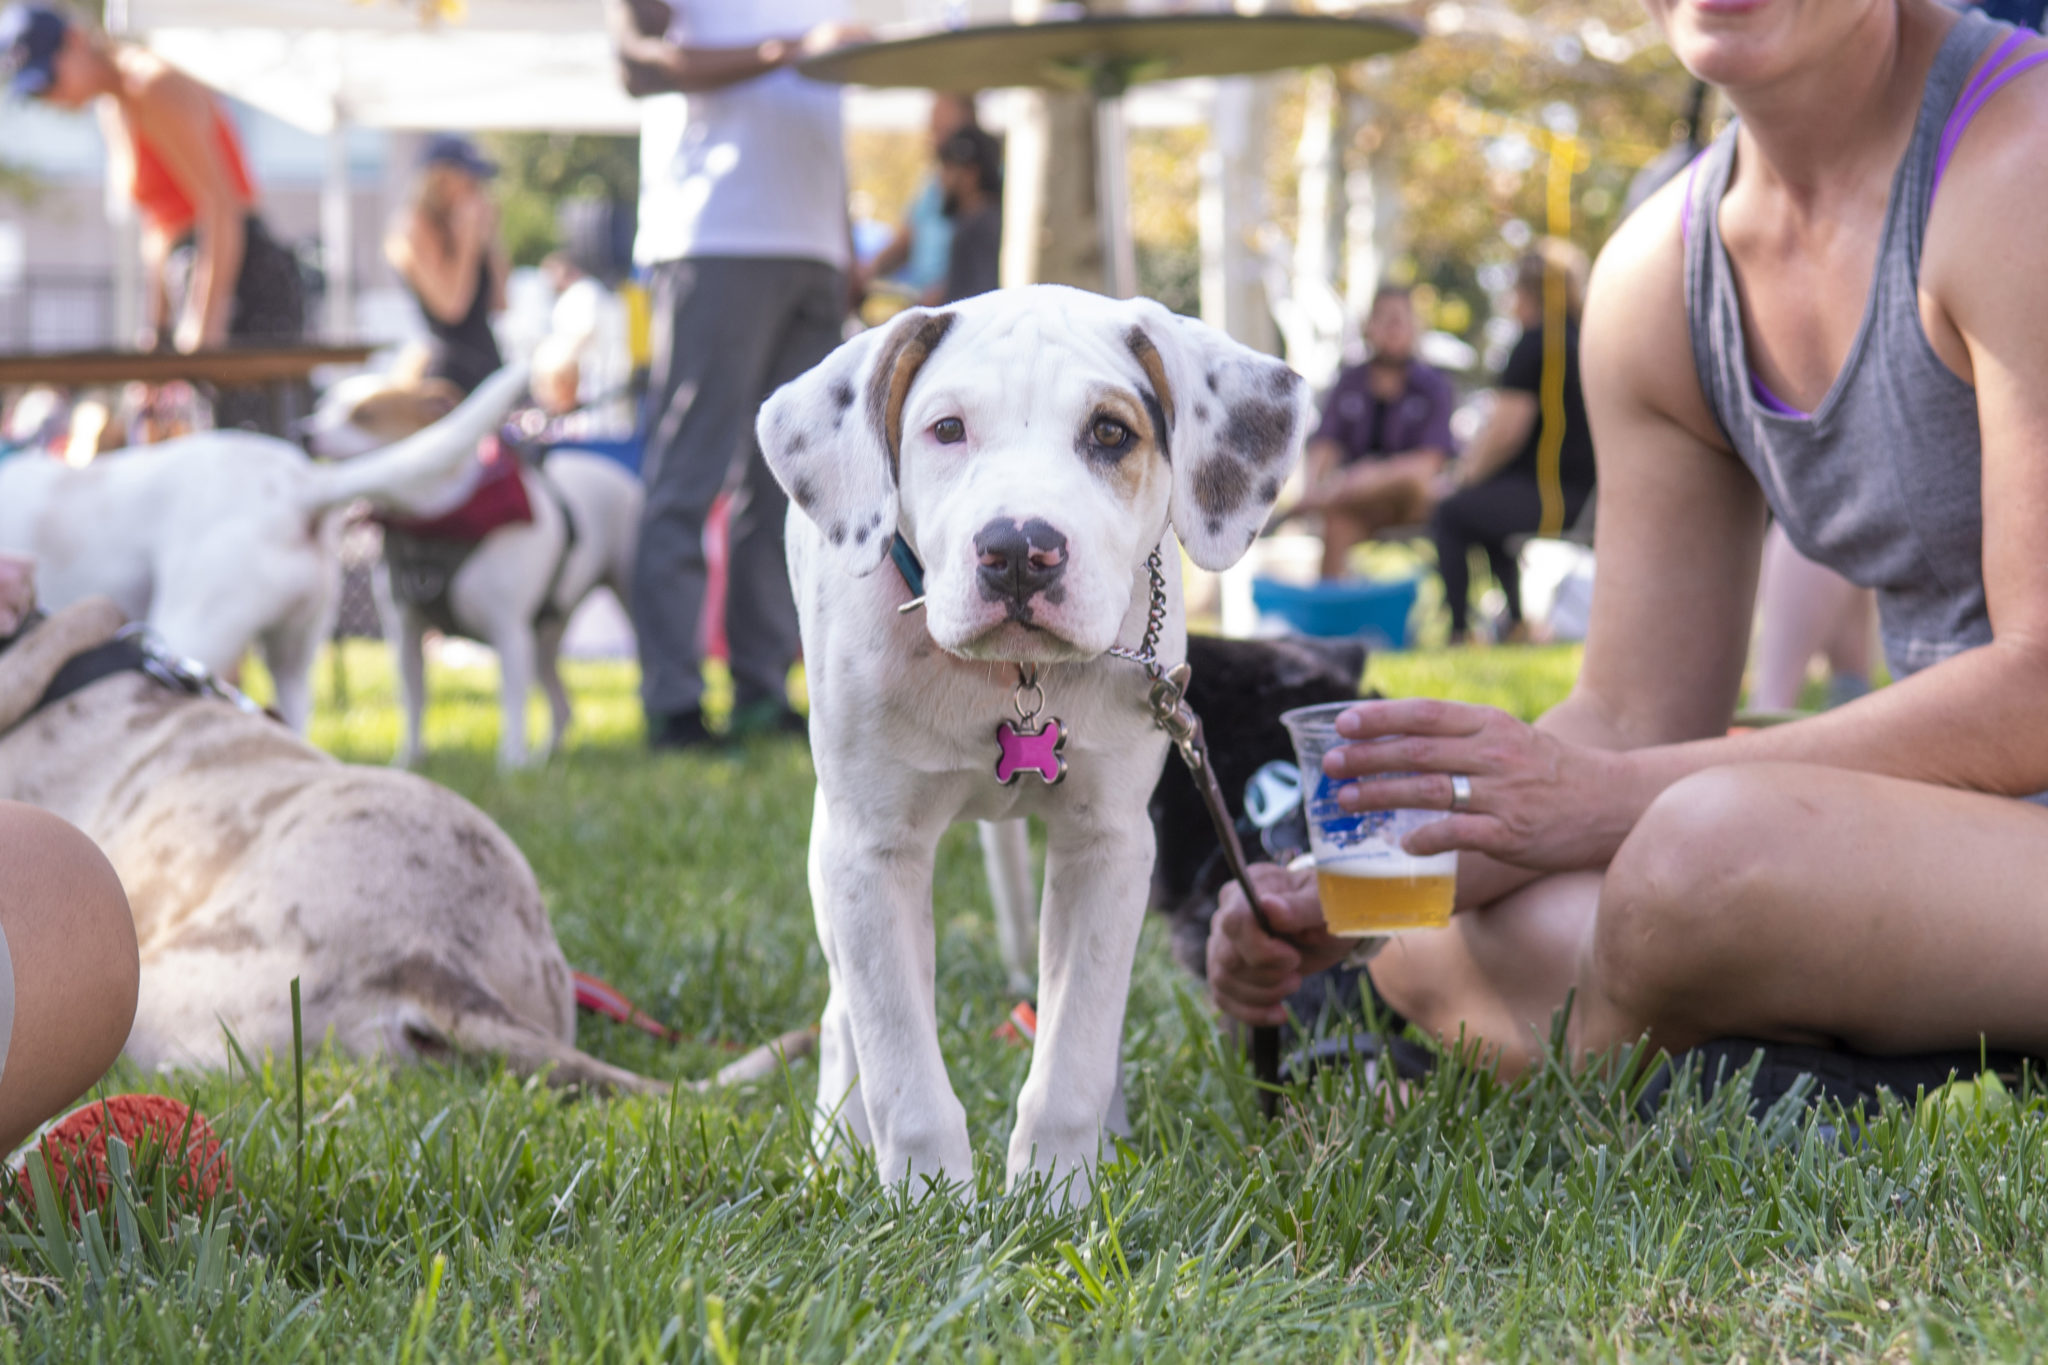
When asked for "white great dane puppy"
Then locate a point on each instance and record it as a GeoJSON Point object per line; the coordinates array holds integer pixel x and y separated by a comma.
{"type": "Point", "coordinates": [1034, 448]}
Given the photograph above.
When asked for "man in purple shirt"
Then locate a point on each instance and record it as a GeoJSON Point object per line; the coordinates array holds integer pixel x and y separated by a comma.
{"type": "Point", "coordinates": [1385, 437]}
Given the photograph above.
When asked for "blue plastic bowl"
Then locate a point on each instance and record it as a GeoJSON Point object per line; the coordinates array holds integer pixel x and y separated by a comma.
{"type": "Point", "coordinates": [1354, 608]}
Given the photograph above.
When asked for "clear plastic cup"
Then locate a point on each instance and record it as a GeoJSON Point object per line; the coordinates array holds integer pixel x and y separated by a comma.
{"type": "Point", "coordinates": [1369, 885]}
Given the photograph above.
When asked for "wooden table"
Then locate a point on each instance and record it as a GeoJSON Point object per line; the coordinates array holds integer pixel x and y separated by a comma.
{"type": "Point", "coordinates": [283, 371]}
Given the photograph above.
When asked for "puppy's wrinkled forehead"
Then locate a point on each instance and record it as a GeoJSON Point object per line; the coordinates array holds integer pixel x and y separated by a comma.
{"type": "Point", "coordinates": [1058, 355]}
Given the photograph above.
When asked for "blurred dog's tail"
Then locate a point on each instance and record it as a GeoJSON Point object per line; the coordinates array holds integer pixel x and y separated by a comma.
{"type": "Point", "coordinates": [421, 464]}
{"type": "Point", "coordinates": [444, 1012]}
{"type": "Point", "coordinates": [530, 1051]}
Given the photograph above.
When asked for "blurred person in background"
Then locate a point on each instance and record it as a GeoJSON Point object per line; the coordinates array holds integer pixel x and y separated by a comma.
{"type": "Point", "coordinates": [1384, 439]}
{"type": "Point", "coordinates": [919, 256]}
{"type": "Point", "coordinates": [744, 230]}
{"type": "Point", "coordinates": [971, 174]}
{"type": "Point", "coordinates": [1804, 609]}
{"type": "Point", "coordinates": [213, 274]}
{"type": "Point", "coordinates": [445, 246]}
{"type": "Point", "coordinates": [1493, 493]}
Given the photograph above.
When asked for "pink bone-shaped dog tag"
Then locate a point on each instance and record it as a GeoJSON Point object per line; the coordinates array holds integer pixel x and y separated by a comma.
{"type": "Point", "coordinates": [1031, 751]}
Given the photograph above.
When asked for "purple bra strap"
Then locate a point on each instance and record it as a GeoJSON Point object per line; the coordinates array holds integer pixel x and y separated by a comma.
{"type": "Point", "coordinates": [1771, 400]}
{"type": "Point", "coordinates": [1989, 80]}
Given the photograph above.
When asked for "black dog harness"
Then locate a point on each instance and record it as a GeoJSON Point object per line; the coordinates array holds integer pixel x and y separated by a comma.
{"type": "Point", "coordinates": [134, 650]}
{"type": "Point", "coordinates": [423, 568]}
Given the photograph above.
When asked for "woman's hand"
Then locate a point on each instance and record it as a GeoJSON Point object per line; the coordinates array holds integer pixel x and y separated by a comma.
{"type": "Point", "coordinates": [194, 335]}
{"type": "Point", "coordinates": [471, 217]}
{"type": "Point", "coordinates": [17, 592]}
{"type": "Point", "coordinates": [1536, 801]}
{"type": "Point", "coordinates": [1251, 974]}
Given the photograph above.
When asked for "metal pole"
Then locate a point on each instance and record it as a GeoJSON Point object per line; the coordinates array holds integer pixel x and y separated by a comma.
{"type": "Point", "coordinates": [337, 232]}
{"type": "Point", "coordinates": [126, 229]}
{"type": "Point", "coordinates": [1113, 191]}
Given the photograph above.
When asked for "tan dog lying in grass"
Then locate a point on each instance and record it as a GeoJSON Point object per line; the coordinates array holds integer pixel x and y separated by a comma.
{"type": "Point", "coordinates": [250, 858]}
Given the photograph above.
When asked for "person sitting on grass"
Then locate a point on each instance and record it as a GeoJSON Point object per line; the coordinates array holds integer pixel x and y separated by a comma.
{"type": "Point", "coordinates": [1830, 316]}
{"type": "Point", "coordinates": [1384, 438]}
{"type": "Point", "coordinates": [1493, 493]}
{"type": "Point", "coordinates": [68, 964]}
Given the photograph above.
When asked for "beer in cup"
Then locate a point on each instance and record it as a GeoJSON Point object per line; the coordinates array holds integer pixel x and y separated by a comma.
{"type": "Point", "coordinates": [1369, 885]}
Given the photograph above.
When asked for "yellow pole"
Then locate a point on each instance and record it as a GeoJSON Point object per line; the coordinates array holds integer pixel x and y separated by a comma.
{"type": "Point", "coordinates": [1564, 154]}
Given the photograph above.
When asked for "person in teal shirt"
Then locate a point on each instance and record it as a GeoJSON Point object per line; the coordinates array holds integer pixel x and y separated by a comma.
{"type": "Point", "coordinates": [917, 257]}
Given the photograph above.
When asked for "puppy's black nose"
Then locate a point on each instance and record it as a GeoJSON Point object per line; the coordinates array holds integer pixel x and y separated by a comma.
{"type": "Point", "coordinates": [1019, 561]}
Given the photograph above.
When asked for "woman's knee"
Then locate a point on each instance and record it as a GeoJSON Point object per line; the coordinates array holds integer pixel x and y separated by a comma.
{"type": "Point", "coordinates": [71, 934]}
{"type": "Point", "coordinates": [1671, 916]}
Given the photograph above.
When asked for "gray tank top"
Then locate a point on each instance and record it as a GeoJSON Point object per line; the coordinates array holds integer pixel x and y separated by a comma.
{"type": "Point", "coordinates": [1880, 482]}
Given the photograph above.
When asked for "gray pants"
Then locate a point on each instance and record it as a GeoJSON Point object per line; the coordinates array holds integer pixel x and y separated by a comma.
{"type": "Point", "coordinates": [728, 331]}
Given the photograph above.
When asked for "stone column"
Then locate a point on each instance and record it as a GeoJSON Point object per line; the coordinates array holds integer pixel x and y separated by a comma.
{"type": "Point", "coordinates": [1052, 232]}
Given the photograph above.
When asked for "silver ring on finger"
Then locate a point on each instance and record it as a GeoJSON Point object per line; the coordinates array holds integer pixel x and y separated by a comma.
{"type": "Point", "coordinates": [1461, 793]}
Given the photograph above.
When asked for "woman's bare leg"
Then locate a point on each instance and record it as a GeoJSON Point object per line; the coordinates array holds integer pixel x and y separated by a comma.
{"type": "Point", "coordinates": [75, 969]}
{"type": "Point", "coordinates": [1779, 901]}
{"type": "Point", "coordinates": [1498, 975]}
{"type": "Point", "coordinates": [1810, 904]}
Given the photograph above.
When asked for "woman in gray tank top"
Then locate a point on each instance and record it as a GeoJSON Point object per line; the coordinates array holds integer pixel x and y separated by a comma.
{"type": "Point", "coordinates": [1840, 315]}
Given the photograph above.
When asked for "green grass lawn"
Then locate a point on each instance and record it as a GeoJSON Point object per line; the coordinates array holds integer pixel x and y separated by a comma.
{"type": "Point", "coordinates": [466, 1215]}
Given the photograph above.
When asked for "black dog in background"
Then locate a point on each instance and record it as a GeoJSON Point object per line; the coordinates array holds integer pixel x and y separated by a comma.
{"type": "Point", "coordinates": [1239, 688]}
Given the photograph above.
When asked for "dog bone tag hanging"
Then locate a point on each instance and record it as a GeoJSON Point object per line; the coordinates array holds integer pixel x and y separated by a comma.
{"type": "Point", "coordinates": [1028, 745]}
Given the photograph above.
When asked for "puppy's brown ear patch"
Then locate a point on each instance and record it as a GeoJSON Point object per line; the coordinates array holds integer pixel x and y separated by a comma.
{"type": "Point", "coordinates": [842, 474]}
{"type": "Point", "coordinates": [903, 355]}
{"type": "Point", "coordinates": [1159, 399]}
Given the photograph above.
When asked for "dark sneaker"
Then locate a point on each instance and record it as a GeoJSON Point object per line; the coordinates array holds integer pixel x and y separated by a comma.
{"type": "Point", "coordinates": [767, 717]}
{"type": "Point", "coordinates": [1819, 1073]}
{"type": "Point", "coordinates": [678, 731]}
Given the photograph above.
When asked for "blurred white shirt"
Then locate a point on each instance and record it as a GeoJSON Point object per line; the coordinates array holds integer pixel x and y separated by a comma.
{"type": "Point", "coordinates": [755, 169]}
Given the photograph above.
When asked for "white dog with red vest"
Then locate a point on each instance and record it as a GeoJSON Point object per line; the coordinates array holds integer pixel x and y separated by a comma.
{"type": "Point", "coordinates": [1033, 462]}
{"type": "Point", "coordinates": [226, 539]}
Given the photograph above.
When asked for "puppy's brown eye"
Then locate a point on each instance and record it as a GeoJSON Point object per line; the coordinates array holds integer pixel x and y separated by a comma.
{"type": "Point", "coordinates": [1111, 433]}
{"type": "Point", "coordinates": [951, 431]}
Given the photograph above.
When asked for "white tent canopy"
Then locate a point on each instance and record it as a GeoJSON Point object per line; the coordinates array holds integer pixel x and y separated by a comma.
{"type": "Point", "coordinates": [542, 65]}
{"type": "Point", "coordinates": [505, 64]}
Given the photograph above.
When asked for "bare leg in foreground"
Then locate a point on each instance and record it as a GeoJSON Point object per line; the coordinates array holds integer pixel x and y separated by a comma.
{"type": "Point", "coordinates": [75, 969]}
{"type": "Point", "coordinates": [1781, 901]}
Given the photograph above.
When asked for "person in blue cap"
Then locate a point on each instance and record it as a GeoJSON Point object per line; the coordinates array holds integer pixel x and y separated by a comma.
{"type": "Point", "coordinates": [446, 248]}
{"type": "Point", "coordinates": [213, 273]}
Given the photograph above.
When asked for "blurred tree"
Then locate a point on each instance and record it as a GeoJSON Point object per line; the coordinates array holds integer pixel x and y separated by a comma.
{"type": "Point", "coordinates": [885, 169]}
{"type": "Point", "coordinates": [1457, 130]}
{"type": "Point", "coordinates": [1166, 186]}
{"type": "Point", "coordinates": [539, 171]}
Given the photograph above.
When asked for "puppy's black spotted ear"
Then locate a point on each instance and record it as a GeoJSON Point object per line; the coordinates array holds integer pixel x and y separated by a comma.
{"type": "Point", "coordinates": [1237, 420]}
{"type": "Point", "coordinates": [832, 436]}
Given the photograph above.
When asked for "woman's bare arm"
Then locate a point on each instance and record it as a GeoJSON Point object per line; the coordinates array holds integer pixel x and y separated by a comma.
{"type": "Point", "coordinates": [1507, 426]}
{"type": "Point", "coordinates": [1973, 721]}
{"type": "Point", "coordinates": [179, 114]}
{"type": "Point", "coordinates": [650, 64]}
{"type": "Point", "coordinates": [444, 277]}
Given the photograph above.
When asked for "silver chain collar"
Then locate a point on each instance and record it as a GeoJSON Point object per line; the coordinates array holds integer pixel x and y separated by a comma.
{"type": "Point", "coordinates": [182, 674]}
{"type": "Point", "coordinates": [1146, 655]}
